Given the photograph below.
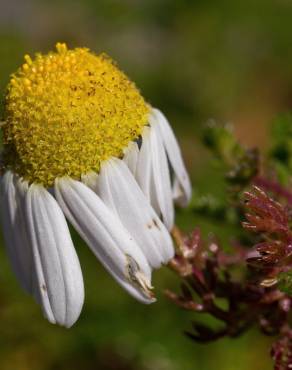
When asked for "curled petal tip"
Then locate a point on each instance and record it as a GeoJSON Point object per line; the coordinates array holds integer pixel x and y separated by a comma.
{"type": "Point", "coordinates": [138, 278]}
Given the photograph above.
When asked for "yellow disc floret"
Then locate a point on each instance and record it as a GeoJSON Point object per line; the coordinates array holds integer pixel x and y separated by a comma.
{"type": "Point", "coordinates": [66, 112]}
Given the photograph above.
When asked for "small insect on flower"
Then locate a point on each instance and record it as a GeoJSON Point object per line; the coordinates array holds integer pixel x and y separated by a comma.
{"type": "Point", "coordinates": [80, 141]}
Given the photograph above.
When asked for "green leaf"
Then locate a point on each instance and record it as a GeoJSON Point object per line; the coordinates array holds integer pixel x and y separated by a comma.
{"type": "Point", "coordinates": [221, 141]}
{"type": "Point", "coordinates": [285, 282]}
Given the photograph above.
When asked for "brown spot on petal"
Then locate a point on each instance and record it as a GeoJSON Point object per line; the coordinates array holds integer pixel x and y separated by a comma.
{"type": "Point", "coordinates": [153, 224]}
{"type": "Point", "coordinates": [156, 224]}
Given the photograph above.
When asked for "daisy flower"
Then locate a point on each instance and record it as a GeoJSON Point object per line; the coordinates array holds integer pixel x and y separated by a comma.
{"type": "Point", "coordinates": [79, 141]}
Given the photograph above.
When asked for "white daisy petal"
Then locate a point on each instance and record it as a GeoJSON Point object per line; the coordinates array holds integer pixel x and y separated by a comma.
{"type": "Point", "coordinates": [106, 236]}
{"type": "Point", "coordinates": [183, 192]}
{"type": "Point", "coordinates": [58, 272]}
{"type": "Point", "coordinates": [14, 229]}
{"type": "Point", "coordinates": [162, 191]}
{"type": "Point", "coordinates": [178, 193]}
{"type": "Point", "coordinates": [131, 155]}
{"type": "Point", "coordinates": [90, 179]}
{"type": "Point", "coordinates": [153, 177]}
{"type": "Point", "coordinates": [119, 190]}
{"type": "Point", "coordinates": [144, 164]}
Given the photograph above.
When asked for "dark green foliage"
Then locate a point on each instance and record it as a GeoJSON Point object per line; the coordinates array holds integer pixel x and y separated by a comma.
{"type": "Point", "coordinates": [285, 282]}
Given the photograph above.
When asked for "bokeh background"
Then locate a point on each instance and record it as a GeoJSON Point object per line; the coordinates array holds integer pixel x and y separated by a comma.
{"type": "Point", "coordinates": [195, 60]}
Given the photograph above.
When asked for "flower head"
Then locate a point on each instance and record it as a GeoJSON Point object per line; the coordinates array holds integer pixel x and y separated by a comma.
{"type": "Point", "coordinates": [80, 142]}
{"type": "Point", "coordinates": [68, 111]}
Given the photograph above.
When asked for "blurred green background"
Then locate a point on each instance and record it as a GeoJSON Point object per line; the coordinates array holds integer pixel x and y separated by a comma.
{"type": "Point", "coordinates": [195, 60]}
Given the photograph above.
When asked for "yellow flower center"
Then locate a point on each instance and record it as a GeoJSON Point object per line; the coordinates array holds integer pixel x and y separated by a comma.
{"type": "Point", "coordinates": [66, 112]}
